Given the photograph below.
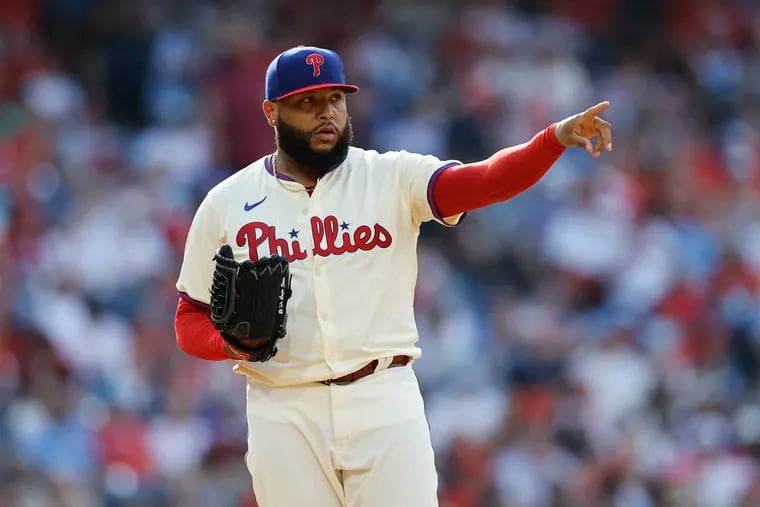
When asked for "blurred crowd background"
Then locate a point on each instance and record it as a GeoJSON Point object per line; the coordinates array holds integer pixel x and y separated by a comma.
{"type": "Point", "coordinates": [593, 342]}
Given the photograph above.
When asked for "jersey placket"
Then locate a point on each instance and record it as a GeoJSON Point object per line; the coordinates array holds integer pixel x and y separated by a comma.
{"type": "Point", "coordinates": [322, 297]}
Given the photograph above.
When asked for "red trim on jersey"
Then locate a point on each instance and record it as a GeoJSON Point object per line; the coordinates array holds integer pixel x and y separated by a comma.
{"type": "Point", "coordinates": [196, 334]}
{"type": "Point", "coordinates": [503, 175]}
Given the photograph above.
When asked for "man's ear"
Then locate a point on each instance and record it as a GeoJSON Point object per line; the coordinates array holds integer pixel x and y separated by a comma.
{"type": "Point", "coordinates": [270, 111]}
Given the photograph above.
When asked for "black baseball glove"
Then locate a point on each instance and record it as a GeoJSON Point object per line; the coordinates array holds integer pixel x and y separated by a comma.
{"type": "Point", "coordinates": [249, 303]}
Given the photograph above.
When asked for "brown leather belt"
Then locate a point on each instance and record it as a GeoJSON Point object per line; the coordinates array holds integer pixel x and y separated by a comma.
{"type": "Point", "coordinates": [367, 369]}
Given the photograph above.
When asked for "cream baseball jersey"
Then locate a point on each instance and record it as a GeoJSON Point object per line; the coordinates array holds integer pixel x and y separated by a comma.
{"type": "Point", "coordinates": [352, 251]}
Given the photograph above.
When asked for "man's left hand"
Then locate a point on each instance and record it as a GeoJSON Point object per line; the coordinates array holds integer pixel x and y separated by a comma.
{"type": "Point", "coordinates": [579, 129]}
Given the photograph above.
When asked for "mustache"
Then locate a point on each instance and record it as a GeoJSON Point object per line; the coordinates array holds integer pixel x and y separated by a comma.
{"type": "Point", "coordinates": [327, 124]}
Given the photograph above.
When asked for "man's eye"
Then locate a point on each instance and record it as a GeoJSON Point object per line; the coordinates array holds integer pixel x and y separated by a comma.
{"type": "Point", "coordinates": [307, 99]}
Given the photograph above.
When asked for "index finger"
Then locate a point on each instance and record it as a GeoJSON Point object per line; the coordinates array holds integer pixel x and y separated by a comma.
{"type": "Point", "coordinates": [595, 110]}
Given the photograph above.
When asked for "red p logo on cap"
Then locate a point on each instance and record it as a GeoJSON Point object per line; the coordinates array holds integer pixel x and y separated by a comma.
{"type": "Point", "coordinates": [316, 60]}
{"type": "Point", "coordinates": [304, 68]}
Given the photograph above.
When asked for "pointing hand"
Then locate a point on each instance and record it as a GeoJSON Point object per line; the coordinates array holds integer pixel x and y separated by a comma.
{"type": "Point", "coordinates": [577, 130]}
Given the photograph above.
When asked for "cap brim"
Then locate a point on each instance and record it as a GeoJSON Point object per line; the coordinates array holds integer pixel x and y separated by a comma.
{"type": "Point", "coordinates": [345, 87]}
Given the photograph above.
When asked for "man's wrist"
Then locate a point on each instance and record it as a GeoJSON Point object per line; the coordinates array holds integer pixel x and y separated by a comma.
{"type": "Point", "coordinates": [551, 137]}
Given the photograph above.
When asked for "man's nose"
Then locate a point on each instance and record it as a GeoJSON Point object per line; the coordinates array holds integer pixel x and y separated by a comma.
{"type": "Point", "coordinates": [327, 111]}
{"type": "Point", "coordinates": [327, 114]}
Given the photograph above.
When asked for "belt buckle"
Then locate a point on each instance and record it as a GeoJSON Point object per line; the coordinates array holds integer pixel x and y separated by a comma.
{"type": "Point", "coordinates": [357, 375]}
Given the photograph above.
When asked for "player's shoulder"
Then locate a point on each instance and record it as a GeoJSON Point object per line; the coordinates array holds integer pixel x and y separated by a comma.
{"type": "Point", "coordinates": [362, 156]}
{"type": "Point", "coordinates": [398, 161]}
{"type": "Point", "coordinates": [240, 178]}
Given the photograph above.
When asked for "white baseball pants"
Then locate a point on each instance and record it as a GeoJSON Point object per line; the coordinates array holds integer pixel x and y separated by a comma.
{"type": "Point", "coordinates": [365, 444]}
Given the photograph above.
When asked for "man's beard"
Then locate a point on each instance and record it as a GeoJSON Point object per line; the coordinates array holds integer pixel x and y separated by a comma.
{"type": "Point", "coordinates": [296, 143]}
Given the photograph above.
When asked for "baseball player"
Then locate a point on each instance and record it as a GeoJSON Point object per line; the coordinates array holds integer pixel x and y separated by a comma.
{"type": "Point", "coordinates": [301, 268]}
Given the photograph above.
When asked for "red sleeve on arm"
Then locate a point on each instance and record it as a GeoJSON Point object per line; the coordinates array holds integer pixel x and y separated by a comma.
{"type": "Point", "coordinates": [503, 175]}
{"type": "Point", "coordinates": [196, 334]}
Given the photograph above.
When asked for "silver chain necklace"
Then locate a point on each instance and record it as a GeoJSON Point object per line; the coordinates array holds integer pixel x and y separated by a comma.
{"type": "Point", "coordinates": [283, 185]}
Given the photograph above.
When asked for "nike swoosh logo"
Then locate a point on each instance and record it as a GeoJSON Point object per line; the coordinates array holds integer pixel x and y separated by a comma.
{"type": "Point", "coordinates": [249, 207]}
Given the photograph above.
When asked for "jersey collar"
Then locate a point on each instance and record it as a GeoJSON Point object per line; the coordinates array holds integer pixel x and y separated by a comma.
{"type": "Point", "coordinates": [285, 177]}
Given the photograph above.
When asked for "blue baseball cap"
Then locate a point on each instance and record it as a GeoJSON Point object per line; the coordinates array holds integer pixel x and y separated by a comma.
{"type": "Point", "coordinates": [305, 68]}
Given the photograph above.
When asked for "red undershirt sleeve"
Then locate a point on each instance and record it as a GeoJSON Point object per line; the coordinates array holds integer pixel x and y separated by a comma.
{"type": "Point", "coordinates": [196, 334]}
{"type": "Point", "coordinates": [505, 174]}
{"type": "Point", "coordinates": [458, 189]}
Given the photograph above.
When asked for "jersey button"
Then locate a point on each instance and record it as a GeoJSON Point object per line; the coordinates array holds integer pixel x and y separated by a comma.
{"type": "Point", "coordinates": [323, 316]}
{"type": "Point", "coordinates": [305, 211]}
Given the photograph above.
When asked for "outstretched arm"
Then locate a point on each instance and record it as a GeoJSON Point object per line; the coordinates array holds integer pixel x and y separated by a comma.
{"type": "Point", "coordinates": [512, 170]}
